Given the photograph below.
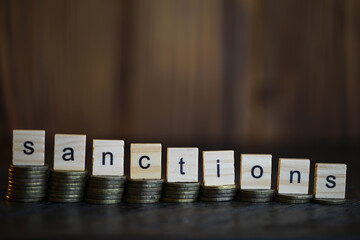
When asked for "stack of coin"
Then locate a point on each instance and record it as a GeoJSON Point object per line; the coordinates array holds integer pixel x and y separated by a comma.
{"type": "Point", "coordinates": [255, 195]}
{"type": "Point", "coordinates": [105, 189]}
{"type": "Point", "coordinates": [217, 193]}
{"type": "Point", "coordinates": [66, 186]}
{"type": "Point", "coordinates": [143, 190]}
{"type": "Point", "coordinates": [329, 201]}
{"type": "Point", "coordinates": [27, 183]}
{"type": "Point", "coordinates": [293, 198]}
{"type": "Point", "coordinates": [181, 192]}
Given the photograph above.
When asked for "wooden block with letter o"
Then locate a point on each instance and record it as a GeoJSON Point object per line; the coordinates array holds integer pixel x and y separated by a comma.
{"type": "Point", "coordinates": [255, 171]}
{"type": "Point", "coordinates": [108, 157]}
{"type": "Point", "coordinates": [69, 153]}
{"type": "Point", "coordinates": [330, 180]}
{"type": "Point", "coordinates": [28, 147]}
{"type": "Point", "coordinates": [145, 161]}
{"type": "Point", "coordinates": [218, 168]}
{"type": "Point", "coordinates": [293, 176]}
{"type": "Point", "coordinates": [182, 164]}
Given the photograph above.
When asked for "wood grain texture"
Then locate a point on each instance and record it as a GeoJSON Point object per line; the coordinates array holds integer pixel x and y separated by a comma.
{"type": "Point", "coordinates": [293, 176]}
{"type": "Point", "coordinates": [258, 165]}
{"type": "Point", "coordinates": [330, 180]}
{"type": "Point", "coordinates": [69, 152]}
{"type": "Point", "coordinates": [108, 157]}
{"type": "Point", "coordinates": [149, 156]}
{"type": "Point", "coordinates": [182, 165]}
{"type": "Point", "coordinates": [245, 72]}
{"type": "Point", "coordinates": [218, 168]}
{"type": "Point", "coordinates": [28, 147]}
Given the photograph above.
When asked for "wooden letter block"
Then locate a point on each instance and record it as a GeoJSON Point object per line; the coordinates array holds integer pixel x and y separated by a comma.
{"type": "Point", "coordinates": [145, 161]}
{"type": "Point", "coordinates": [69, 153]}
{"type": "Point", "coordinates": [255, 171]}
{"type": "Point", "coordinates": [108, 157]}
{"type": "Point", "coordinates": [293, 176]}
{"type": "Point", "coordinates": [330, 180]}
{"type": "Point", "coordinates": [218, 168]}
{"type": "Point", "coordinates": [28, 147]}
{"type": "Point", "coordinates": [182, 164]}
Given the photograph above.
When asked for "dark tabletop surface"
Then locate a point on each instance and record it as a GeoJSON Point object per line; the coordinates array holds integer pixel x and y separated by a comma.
{"type": "Point", "coordinates": [200, 220]}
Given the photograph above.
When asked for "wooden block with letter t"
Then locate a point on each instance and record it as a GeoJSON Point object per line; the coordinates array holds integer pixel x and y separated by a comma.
{"type": "Point", "coordinates": [108, 157]}
{"type": "Point", "coordinates": [218, 168]}
{"type": "Point", "coordinates": [28, 147]}
{"type": "Point", "coordinates": [255, 171]}
{"type": "Point", "coordinates": [69, 153]}
{"type": "Point", "coordinates": [293, 176]}
{"type": "Point", "coordinates": [145, 161]}
{"type": "Point", "coordinates": [330, 180]}
{"type": "Point", "coordinates": [182, 165]}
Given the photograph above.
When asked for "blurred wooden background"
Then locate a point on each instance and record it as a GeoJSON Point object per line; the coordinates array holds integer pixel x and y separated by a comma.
{"type": "Point", "coordinates": [217, 73]}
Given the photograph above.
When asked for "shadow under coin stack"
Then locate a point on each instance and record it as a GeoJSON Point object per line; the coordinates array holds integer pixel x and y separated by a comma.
{"type": "Point", "coordinates": [105, 189]}
{"type": "Point", "coordinates": [27, 183]}
{"type": "Point", "coordinates": [143, 190]}
{"type": "Point", "coordinates": [293, 198]}
{"type": "Point", "coordinates": [181, 192]}
{"type": "Point", "coordinates": [221, 193]}
{"type": "Point", "coordinates": [66, 186]}
{"type": "Point", "coordinates": [255, 195]}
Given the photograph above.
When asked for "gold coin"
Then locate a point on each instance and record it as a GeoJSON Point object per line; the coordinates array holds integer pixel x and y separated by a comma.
{"type": "Point", "coordinates": [329, 201]}
{"type": "Point", "coordinates": [103, 201]}
{"type": "Point", "coordinates": [176, 200]}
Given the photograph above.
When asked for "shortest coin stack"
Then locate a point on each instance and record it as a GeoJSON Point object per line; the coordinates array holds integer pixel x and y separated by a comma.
{"type": "Point", "coordinates": [293, 198]}
{"type": "Point", "coordinates": [181, 192]}
{"type": "Point", "coordinates": [27, 183]}
{"type": "Point", "coordinates": [105, 189]}
{"type": "Point", "coordinates": [221, 193]}
{"type": "Point", "coordinates": [255, 195]}
{"type": "Point", "coordinates": [329, 201]}
{"type": "Point", "coordinates": [143, 190]}
{"type": "Point", "coordinates": [66, 186]}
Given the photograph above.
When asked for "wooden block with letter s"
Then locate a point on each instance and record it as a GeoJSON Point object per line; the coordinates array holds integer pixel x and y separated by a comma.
{"type": "Point", "coordinates": [330, 180]}
{"type": "Point", "coordinates": [28, 147]}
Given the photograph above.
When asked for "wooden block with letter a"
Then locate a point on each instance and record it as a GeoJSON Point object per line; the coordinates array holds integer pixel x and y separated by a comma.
{"type": "Point", "coordinates": [108, 157]}
{"type": "Point", "coordinates": [69, 153]}
{"type": "Point", "coordinates": [330, 180]}
{"type": "Point", "coordinates": [28, 147]}
{"type": "Point", "coordinates": [182, 164]}
{"type": "Point", "coordinates": [218, 168]}
{"type": "Point", "coordinates": [293, 176]}
{"type": "Point", "coordinates": [255, 171]}
{"type": "Point", "coordinates": [145, 161]}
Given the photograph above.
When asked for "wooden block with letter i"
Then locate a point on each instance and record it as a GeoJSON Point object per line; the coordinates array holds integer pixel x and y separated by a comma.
{"type": "Point", "coordinates": [255, 171]}
{"type": "Point", "coordinates": [293, 176]}
{"type": "Point", "coordinates": [330, 180]}
{"type": "Point", "coordinates": [182, 164]}
{"type": "Point", "coordinates": [108, 157]}
{"type": "Point", "coordinates": [218, 168]}
{"type": "Point", "coordinates": [28, 147]}
{"type": "Point", "coordinates": [69, 153]}
{"type": "Point", "coordinates": [145, 161]}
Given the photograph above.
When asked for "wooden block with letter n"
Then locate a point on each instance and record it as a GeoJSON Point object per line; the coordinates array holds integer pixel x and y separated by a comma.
{"type": "Point", "coordinates": [69, 153]}
{"type": "Point", "coordinates": [145, 161]}
{"type": "Point", "coordinates": [182, 165]}
{"type": "Point", "coordinates": [255, 171]}
{"type": "Point", "coordinates": [293, 176]}
{"type": "Point", "coordinates": [108, 157]}
{"type": "Point", "coordinates": [330, 180]}
{"type": "Point", "coordinates": [28, 147]}
{"type": "Point", "coordinates": [218, 168]}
